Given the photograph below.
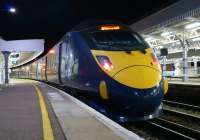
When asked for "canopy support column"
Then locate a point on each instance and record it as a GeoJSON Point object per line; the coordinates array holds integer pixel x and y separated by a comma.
{"type": "Point", "coordinates": [6, 57]}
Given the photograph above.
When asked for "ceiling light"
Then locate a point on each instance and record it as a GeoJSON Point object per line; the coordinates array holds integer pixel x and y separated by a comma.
{"type": "Point", "coordinates": [192, 25]}
{"type": "Point", "coordinates": [148, 39]}
{"type": "Point", "coordinates": [166, 33]}
{"type": "Point", "coordinates": [196, 39]}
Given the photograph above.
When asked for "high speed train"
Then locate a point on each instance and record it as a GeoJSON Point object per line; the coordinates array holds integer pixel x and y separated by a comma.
{"type": "Point", "coordinates": [109, 63]}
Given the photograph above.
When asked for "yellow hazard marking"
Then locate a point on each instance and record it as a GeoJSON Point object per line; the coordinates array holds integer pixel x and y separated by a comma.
{"type": "Point", "coordinates": [47, 128]}
{"type": "Point", "coordinates": [166, 86]}
{"type": "Point", "coordinates": [103, 90]}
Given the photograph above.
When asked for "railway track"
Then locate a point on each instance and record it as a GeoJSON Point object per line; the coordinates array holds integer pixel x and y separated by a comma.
{"type": "Point", "coordinates": [182, 114]}
{"type": "Point", "coordinates": [182, 105]}
{"type": "Point", "coordinates": [162, 129]}
{"type": "Point", "coordinates": [184, 93]}
{"type": "Point", "coordinates": [176, 129]}
{"type": "Point", "coordinates": [172, 128]}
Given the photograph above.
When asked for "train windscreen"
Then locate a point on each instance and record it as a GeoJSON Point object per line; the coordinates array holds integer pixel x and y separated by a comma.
{"type": "Point", "coordinates": [116, 40]}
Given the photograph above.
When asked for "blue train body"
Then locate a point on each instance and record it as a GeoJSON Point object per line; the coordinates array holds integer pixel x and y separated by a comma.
{"type": "Point", "coordinates": [73, 63]}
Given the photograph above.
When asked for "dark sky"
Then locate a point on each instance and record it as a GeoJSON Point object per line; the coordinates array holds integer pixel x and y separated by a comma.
{"type": "Point", "coordinates": [50, 19]}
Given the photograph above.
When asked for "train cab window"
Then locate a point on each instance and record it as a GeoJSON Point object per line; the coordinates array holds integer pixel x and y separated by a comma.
{"type": "Point", "coordinates": [117, 40]}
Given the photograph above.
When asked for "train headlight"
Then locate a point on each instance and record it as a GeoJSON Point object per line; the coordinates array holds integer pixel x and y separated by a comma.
{"type": "Point", "coordinates": [105, 62]}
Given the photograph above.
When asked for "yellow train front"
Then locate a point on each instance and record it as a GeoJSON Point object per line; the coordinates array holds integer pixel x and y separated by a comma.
{"type": "Point", "coordinates": [126, 73]}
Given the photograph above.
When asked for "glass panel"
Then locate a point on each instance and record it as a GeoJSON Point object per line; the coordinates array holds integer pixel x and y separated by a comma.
{"type": "Point", "coordinates": [116, 41]}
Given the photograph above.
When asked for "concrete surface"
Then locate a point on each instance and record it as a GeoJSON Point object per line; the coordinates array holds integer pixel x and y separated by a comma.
{"type": "Point", "coordinates": [20, 116]}
{"type": "Point", "coordinates": [19, 113]}
{"type": "Point", "coordinates": [80, 122]}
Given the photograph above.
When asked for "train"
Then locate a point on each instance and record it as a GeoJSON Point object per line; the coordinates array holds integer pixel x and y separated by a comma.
{"type": "Point", "coordinates": [109, 63]}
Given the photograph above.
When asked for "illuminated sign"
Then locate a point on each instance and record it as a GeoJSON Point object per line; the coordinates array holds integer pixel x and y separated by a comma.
{"type": "Point", "coordinates": [109, 27]}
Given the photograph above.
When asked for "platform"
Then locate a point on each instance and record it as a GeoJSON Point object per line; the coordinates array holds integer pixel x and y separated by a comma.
{"type": "Point", "coordinates": [35, 111]}
{"type": "Point", "coordinates": [191, 81]}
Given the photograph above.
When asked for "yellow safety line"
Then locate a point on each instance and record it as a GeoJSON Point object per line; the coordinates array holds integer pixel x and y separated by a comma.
{"type": "Point", "coordinates": [47, 128]}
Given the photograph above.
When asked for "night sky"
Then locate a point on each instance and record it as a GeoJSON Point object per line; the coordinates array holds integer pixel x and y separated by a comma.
{"type": "Point", "coordinates": [50, 19]}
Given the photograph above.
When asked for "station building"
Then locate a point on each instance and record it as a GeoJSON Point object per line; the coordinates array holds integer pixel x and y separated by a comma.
{"type": "Point", "coordinates": [176, 28]}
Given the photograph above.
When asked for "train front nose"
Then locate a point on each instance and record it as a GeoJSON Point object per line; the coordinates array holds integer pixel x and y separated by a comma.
{"type": "Point", "coordinates": [144, 90]}
{"type": "Point", "coordinates": [139, 77]}
{"type": "Point", "coordinates": [143, 102]}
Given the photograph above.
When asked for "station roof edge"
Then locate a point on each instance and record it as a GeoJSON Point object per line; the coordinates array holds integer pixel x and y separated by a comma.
{"type": "Point", "coordinates": [169, 15]}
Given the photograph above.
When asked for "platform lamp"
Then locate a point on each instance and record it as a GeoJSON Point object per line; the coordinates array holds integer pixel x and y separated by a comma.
{"type": "Point", "coordinates": [10, 9]}
{"type": "Point", "coordinates": [6, 55]}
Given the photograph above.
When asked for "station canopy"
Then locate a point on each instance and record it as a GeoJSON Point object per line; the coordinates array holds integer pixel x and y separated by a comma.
{"type": "Point", "coordinates": [21, 51]}
{"type": "Point", "coordinates": [170, 26]}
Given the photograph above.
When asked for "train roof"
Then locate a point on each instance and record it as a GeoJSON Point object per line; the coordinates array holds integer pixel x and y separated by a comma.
{"type": "Point", "coordinates": [85, 25]}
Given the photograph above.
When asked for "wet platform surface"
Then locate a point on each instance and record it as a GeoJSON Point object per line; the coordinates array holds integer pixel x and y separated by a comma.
{"type": "Point", "coordinates": [22, 116]}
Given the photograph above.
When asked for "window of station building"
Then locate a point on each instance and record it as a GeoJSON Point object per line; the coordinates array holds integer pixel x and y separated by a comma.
{"type": "Point", "coordinates": [192, 64]}
{"type": "Point", "coordinates": [170, 67]}
{"type": "Point", "coordinates": [198, 64]}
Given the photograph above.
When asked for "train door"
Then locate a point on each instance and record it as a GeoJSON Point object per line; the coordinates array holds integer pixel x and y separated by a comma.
{"type": "Point", "coordinates": [70, 61]}
{"type": "Point", "coordinates": [67, 60]}
{"type": "Point", "coordinates": [63, 61]}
